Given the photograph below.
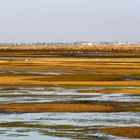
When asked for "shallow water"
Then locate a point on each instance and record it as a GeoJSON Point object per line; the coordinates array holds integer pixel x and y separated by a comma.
{"type": "Point", "coordinates": [69, 126]}
{"type": "Point", "coordinates": [77, 121]}
{"type": "Point", "coordinates": [16, 72]}
{"type": "Point", "coordinates": [66, 97]}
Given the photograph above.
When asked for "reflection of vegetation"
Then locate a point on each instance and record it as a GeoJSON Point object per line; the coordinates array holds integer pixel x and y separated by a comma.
{"type": "Point", "coordinates": [16, 135]}
{"type": "Point", "coordinates": [23, 130]}
{"type": "Point", "coordinates": [2, 132]}
{"type": "Point", "coordinates": [10, 88]}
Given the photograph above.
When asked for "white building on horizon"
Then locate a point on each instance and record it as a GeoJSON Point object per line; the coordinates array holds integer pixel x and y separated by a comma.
{"type": "Point", "coordinates": [87, 44]}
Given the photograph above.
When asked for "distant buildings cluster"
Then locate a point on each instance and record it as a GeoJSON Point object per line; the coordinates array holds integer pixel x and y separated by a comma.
{"type": "Point", "coordinates": [67, 44]}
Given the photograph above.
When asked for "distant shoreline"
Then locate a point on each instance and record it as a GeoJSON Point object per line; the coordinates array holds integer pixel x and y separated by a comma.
{"type": "Point", "coordinates": [72, 51]}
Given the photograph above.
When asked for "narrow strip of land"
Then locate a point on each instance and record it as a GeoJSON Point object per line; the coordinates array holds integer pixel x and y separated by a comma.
{"type": "Point", "coordinates": [69, 107]}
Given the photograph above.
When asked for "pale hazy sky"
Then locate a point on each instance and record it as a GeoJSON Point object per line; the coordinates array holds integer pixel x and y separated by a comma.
{"type": "Point", "coordinates": [69, 20]}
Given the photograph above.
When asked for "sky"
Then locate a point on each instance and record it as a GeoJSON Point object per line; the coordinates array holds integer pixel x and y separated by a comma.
{"type": "Point", "coordinates": [69, 20]}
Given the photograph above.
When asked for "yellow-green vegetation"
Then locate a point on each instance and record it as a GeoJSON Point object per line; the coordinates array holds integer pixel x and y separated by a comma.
{"type": "Point", "coordinates": [93, 72]}
{"type": "Point", "coordinates": [70, 107]}
{"type": "Point", "coordinates": [55, 107]}
{"type": "Point", "coordinates": [129, 132]}
{"type": "Point", "coordinates": [128, 91]}
{"type": "Point", "coordinates": [84, 71]}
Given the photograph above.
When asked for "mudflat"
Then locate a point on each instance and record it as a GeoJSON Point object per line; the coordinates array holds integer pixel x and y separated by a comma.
{"type": "Point", "coordinates": [96, 97]}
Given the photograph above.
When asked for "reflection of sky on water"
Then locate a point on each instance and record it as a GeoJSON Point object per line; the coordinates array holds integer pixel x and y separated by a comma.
{"type": "Point", "coordinates": [12, 134]}
{"type": "Point", "coordinates": [118, 97]}
{"type": "Point", "coordinates": [56, 90]}
{"type": "Point", "coordinates": [85, 120]}
{"type": "Point", "coordinates": [14, 72]}
{"type": "Point", "coordinates": [76, 119]}
{"type": "Point", "coordinates": [68, 98]}
{"type": "Point", "coordinates": [122, 119]}
{"type": "Point", "coordinates": [73, 94]}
